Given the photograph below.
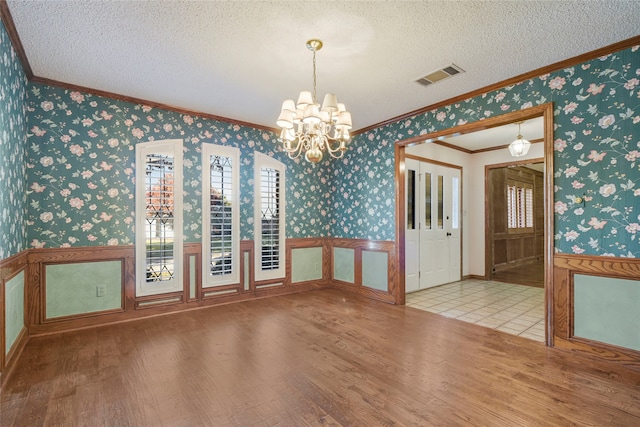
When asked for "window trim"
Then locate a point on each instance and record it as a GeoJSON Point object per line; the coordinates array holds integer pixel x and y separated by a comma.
{"type": "Point", "coordinates": [520, 205]}
{"type": "Point", "coordinates": [168, 147]}
{"type": "Point", "coordinates": [209, 280]}
{"type": "Point", "coordinates": [263, 161]}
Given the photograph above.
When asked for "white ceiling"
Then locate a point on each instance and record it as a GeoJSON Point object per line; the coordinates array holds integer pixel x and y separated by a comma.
{"type": "Point", "coordinates": [241, 59]}
{"type": "Point", "coordinates": [532, 129]}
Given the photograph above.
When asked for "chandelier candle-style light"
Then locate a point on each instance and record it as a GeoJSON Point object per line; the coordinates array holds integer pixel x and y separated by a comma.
{"type": "Point", "coordinates": [519, 147]}
{"type": "Point", "coordinates": [309, 127]}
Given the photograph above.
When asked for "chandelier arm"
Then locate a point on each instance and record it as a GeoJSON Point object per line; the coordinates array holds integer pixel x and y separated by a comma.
{"type": "Point", "coordinates": [295, 152]}
{"type": "Point", "coordinates": [333, 141]}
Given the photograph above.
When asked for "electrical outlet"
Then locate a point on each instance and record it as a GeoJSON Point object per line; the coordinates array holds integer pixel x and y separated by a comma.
{"type": "Point", "coordinates": [101, 290]}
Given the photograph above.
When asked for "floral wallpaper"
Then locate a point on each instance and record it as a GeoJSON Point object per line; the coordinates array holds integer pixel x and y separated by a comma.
{"type": "Point", "coordinates": [597, 156]}
{"type": "Point", "coordinates": [13, 87]}
{"type": "Point", "coordinates": [81, 169]}
{"type": "Point", "coordinates": [363, 192]}
{"type": "Point", "coordinates": [80, 162]}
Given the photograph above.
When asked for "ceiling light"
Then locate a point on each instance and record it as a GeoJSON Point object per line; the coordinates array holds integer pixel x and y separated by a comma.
{"type": "Point", "coordinates": [313, 128]}
{"type": "Point", "coordinates": [519, 147]}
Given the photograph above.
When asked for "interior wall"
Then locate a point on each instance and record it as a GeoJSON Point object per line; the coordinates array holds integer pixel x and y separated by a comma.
{"type": "Point", "coordinates": [595, 139]}
{"type": "Point", "coordinates": [13, 136]}
{"type": "Point", "coordinates": [81, 151]}
{"type": "Point", "coordinates": [351, 198]}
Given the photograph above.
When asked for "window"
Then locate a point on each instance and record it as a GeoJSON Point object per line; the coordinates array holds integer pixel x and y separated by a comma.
{"type": "Point", "coordinates": [427, 201]}
{"type": "Point", "coordinates": [411, 199]}
{"type": "Point", "coordinates": [269, 217]}
{"type": "Point", "coordinates": [455, 203]}
{"type": "Point", "coordinates": [220, 215]}
{"type": "Point", "coordinates": [158, 217]}
{"type": "Point", "coordinates": [519, 206]}
{"type": "Point", "coordinates": [440, 202]}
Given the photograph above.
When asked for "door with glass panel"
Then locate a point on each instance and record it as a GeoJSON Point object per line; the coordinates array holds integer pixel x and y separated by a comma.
{"type": "Point", "coordinates": [436, 204]}
{"type": "Point", "coordinates": [411, 226]}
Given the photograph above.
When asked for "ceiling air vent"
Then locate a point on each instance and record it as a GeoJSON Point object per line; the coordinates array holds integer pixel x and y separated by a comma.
{"type": "Point", "coordinates": [441, 74]}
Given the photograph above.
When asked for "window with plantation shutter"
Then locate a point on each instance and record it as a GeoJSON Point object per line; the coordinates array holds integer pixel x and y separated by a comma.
{"type": "Point", "coordinates": [519, 207]}
{"type": "Point", "coordinates": [269, 222]}
{"type": "Point", "coordinates": [220, 215]}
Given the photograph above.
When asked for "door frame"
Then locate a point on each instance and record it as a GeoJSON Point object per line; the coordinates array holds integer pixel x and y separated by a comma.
{"type": "Point", "coordinates": [544, 110]}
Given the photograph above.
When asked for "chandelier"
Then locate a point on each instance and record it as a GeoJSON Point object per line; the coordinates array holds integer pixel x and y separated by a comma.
{"type": "Point", "coordinates": [519, 147]}
{"type": "Point", "coordinates": [309, 127]}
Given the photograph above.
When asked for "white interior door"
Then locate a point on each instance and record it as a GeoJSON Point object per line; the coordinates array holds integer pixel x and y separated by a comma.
{"type": "Point", "coordinates": [411, 227]}
{"type": "Point", "coordinates": [437, 206]}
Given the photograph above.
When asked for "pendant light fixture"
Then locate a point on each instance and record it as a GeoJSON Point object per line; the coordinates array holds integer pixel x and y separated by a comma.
{"type": "Point", "coordinates": [519, 147]}
{"type": "Point", "coordinates": [310, 128]}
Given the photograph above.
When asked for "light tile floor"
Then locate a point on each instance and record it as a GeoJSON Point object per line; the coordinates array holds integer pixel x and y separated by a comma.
{"type": "Point", "coordinates": [514, 309]}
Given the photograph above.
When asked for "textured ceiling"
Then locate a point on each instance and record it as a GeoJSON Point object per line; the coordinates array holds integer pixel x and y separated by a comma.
{"type": "Point", "coordinates": [242, 59]}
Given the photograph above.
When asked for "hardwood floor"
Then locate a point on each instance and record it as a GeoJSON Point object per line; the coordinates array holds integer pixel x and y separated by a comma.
{"type": "Point", "coordinates": [526, 274]}
{"type": "Point", "coordinates": [315, 358]}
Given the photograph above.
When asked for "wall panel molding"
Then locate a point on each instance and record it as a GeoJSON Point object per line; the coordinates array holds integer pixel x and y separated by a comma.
{"type": "Point", "coordinates": [36, 260]}
{"type": "Point", "coordinates": [359, 245]}
{"type": "Point", "coordinates": [10, 268]}
{"type": "Point", "coordinates": [305, 243]}
{"type": "Point", "coordinates": [565, 267]}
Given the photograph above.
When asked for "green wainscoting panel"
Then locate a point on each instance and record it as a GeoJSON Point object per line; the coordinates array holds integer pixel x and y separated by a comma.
{"type": "Point", "coordinates": [75, 288]}
{"type": "Point", "coordinates": [14, 309]}
{"type": "Point", "coordinates": [344, 264]}
{"type": "Point", "coordinates": [607, 310]}
{"type": "Point", "coordinates": [374, 270]}
{"type": "Point", "coordinates": [306, 264]}
{"type": "Point", "coordinates": [192, 277]}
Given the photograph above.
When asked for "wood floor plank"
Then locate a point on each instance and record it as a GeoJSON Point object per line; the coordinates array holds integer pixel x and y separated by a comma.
{"type": "Point", "coordinates": [531, 274]}
{"type": "Point", "coordinates": [316, 358]}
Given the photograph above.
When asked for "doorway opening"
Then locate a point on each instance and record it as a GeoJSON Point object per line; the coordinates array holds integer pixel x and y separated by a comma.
{"type": "Point", "coordinates": [514, 232]}
{"type": "Point", "coordinates": [473, 202]}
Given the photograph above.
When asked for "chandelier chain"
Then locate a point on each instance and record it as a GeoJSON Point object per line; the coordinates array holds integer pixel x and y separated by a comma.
{"type": "Point", "coordinates": [315, 99]}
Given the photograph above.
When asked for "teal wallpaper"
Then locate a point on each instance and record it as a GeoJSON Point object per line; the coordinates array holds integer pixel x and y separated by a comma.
{"type": "Point", "coordinates": [81, 164]}
{"type": "Point", "coordinates": [13, 130]}
{"type": "Point", "coordinates": [597, 153]}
